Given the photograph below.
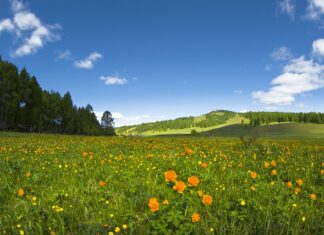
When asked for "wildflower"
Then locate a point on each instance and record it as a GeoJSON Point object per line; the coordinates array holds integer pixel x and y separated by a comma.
{"type": "Point", "coordinates": [111, 215]}
{"type": "Point", "coordinates": [117, 229]}
{"type": "Point", "coordinates": [124, 226]}
{"type": "Point", "coordinates": [200, 193]}
{"type": "Point", "coordinates": [313, 196]}
{"type": "Point", "coordinates": [253, 188]}
{"type": "Point", "coordinates": [154, 204]}
{"type": "Point", "coordinates": [297, 190]}
{"type": "Point", "coordinates": [273, 163]}
{"type": "Point", "coordinates": [21, 232]}
{"type": "Point", "coordinates": [28, 174]}
{"type": "Point", "coordinates": [203, 164]}
{"type": "Point", "coordinates": [102, 183]}
{"type": "Point", "coordinates": [300, 182]}
{"type": "Point", "coordinates": [111, 233]}
{"type": "Point", "coordinates": [303, 218]}
{"type": "Point", "coordinates": [165, 202]}
{"type": "Point", "coordinates": [170, 176]}
{"type": "Point", "coordinates": [21, 192]}
{"type": "Point", "coordinates": [195, 217]}
{"type": "Point", "coordinates": [207, 199]}
{"type": "Point", "coordinates": [242, 203]}
{"type": "Point", "coordinates": [289, 184]}
{"type": "Point", "coordinates": [273, 172]}
{"type": "Point", "coordinates": [180, 186]}
{"type": "Point", "coordinates": [211, 230]}
{"type": "Point", "coordinates": [193, 181]}
{"type": "Point", "coordinates": [266, 164]}
{"type": "Point", "coordinates": [189, 151]}
{"type": "Point", "coordinates": [253, 174]}
{"type": "Point", "coordinates": [322, 172]}
{"type": "Point", "coordinates": [294, 205]}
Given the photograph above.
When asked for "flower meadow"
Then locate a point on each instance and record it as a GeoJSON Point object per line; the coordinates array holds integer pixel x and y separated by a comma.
{"type": "Point", "coordinates": [52, 184]}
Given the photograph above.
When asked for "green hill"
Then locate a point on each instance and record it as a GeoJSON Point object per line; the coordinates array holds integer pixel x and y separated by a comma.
{"type": "Point", "coordinates": [285, 130]}
{"type": "Point", "coordinates": [184, 125]}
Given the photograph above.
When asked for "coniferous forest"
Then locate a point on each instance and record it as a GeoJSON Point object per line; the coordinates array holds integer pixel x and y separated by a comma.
{"type": "Point", "coordinates": [26, 107]}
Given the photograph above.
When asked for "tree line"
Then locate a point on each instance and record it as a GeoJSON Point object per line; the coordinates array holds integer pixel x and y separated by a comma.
{"type": "Point", "coordinates": [258, 118]}
{"type": "Point", "coordinates": [26, 107]}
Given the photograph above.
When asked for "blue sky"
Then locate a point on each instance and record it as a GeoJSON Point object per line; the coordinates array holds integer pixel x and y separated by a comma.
{"type": "Point", "coordinates": [149, 60]}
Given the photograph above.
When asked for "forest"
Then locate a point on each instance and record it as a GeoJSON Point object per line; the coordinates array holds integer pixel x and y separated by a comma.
{"type": "Point", "coordinates": [26, 107]}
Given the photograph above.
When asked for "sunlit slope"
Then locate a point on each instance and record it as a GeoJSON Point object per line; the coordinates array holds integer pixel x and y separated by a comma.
{"type": "Point", "coordinates": [184, 125]}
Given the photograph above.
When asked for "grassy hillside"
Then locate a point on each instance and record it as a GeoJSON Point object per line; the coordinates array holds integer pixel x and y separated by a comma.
{"type": "Point", "coordinates": [183, 125]}
{"type": "Point", "coordinates": [286, 130]}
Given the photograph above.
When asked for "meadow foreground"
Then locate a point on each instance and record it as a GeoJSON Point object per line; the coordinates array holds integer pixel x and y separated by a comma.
{"type": "Point", "coordinates": [53, 184]}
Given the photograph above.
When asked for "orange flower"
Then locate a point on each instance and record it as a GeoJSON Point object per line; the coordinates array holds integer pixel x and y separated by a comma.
{"type": "Point", "coordinates": [322, 172]}
{"type": "Point", "coordinates": [102, 183]}
{"type": "Point", "coordinates": [154, 204]}
{"type": "Point", "coordinates": [313, 196]}
{"type": "Point", "coordinates": [180, 186]}
{"type": "Point", "coordinates": [189, 151]}
{"type": "Point", "coordinates": [273, 172]}
{"type": "Point", "coordinates": [253, 174]}
{"type": "Point", "coordinates": [207, 199]}
{"type": "Point", "coordinates": [289, 184]}
{"type": "Point", "coordinates": [195, 217]}
{"type": "Point", "coordinates": [84, 154]}
{"type": "Point", "coordinates": [170, 176]}
{"type": "Point", "coordinates": [28, 174]}
{"type": "Point", "coordinates": [297, 190]}
{"type": "Point", "coordinates": [266, 164]}
{"type": "Point", "coordinates": [203, 164]}
{"type": "Point", "coordinates": [273, 163]}
{"type": "Point", "coordinates": [193, 181]}
{"type": "Point", "coordinates": [21, 192]}
{"type": "Point", "coordinates": [300, 182]}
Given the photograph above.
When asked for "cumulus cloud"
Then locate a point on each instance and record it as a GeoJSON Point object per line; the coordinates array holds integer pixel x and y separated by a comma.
{"type": "Point", "coordinates": [299, 76]}
{"type": "Point", "coordinates": [315, 9]}
{"type": "Point", "coordinates": [88, 63]}
{"type": "Point", "coordinates": [31, 33]}
{"type": "Point", "coordinates": [124, 120]}
{"type": "Point", "coordinates": [318, 47]}
{"type": "Point", "coordinates": [281, 54]}
{"type": "Point", "coordinates": [287, 7]}
{"type": "Point", "coordinates": [114, 80]}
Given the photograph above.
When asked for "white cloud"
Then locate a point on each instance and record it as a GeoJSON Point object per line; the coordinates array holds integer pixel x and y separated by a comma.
{"type": "Point", "coordinates": [122, 120]}
{"type": "Point", "coordinates": [299, 76]}
{"type": "Point", "coordinates": [281, 54]}
{"type": "Point", "coordinates": [287, 7]}
{"type": "Point", "coordinates": [114, 80]}
{"type": "Point", "coordinates": [31, 32]}
{"type": "Point", "coordinates": [88, 63]}
{"type": "Point", "coordinates": [64, 55]}
{"type": "Point", "coordinates": [6, 25]}
{"type": "Point", "coordinates": [318, 47]}
{"type": "Point", "coordinates": [315, 9]}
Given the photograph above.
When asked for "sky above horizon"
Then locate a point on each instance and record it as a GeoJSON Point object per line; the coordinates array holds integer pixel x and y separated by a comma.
{"type": "Point", "coordinates": [150, 60]}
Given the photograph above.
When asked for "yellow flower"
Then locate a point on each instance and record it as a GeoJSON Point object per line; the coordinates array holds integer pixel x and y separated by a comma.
{"type": "Point", "coordinates": [313, 196]}
{"type": "Point", "coordinates": [253, 188]}
{"type": "Point", "coordinates": [154, 204]}
{"type": "Point", "coordinates": [21, 232]}
{"type": "Point", "coordinates": [21, 192]}
{"type": "Point", "coordinates": [111, 233]}
{"type": "Point", "coordinates": [124, 226]}
{"type": "Point", "coordinates": [273, 163]}
{"type": "Point", "coordinates": [303, 218]}
{"type": "Point", "coordinates": [266, 164]}
{"type": "Point", "coordinates": [180, 186]}
{"type": "Point", "coordinates": [200, 193]}
{"type": "Point", "coordinates": [170, 176]}
{"type": "Point", "coordinates": [253, 174]}
{"type": "Point", "coordinates": [300, 182]}
{"type": "Point", "coordinates": [207, 200]}
{"type": "Point", "coordinates": [165, 202]}
{"type": "Point", "coordinates": [193, 181]}
{"type": "Point", "coordinates": [195, 217]}
{"type": "Point", "coordinates": [273, 172]}
{"type": "Point", "coordinates": [242, 203]}
{"type": "Point", "coordinates": [117, 229]}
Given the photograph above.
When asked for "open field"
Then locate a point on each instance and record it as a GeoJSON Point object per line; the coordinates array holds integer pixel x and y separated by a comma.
{"type": "Point", "coordinates": [273, 130]}
{"type": "Point", "coordinates": [52, 184]}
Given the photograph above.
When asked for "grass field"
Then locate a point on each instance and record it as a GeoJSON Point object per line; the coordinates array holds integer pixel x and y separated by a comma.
{"type": "Point", "coordinates": [52, 184]}
{"type": "Point", "coordinates": [274, 130]}
{"type": "Point", "coordinates": [235, 120]}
